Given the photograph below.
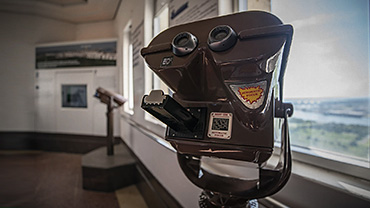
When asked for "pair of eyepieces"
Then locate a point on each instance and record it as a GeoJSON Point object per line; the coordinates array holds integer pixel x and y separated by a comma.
{"type": "Point", "coordinates": [220, 38]}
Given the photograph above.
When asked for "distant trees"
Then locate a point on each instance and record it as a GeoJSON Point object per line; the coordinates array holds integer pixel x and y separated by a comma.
{"type": "Point", "coordinates": [345, 139]}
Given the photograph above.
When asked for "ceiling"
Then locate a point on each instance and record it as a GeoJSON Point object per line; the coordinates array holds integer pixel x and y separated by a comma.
{"type": "Point", "coordinates": [73, 11]}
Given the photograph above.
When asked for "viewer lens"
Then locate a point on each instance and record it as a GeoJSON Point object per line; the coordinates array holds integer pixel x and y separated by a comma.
{"type": "Point", "coordinates": [182, 41]}
{"type": "Point", "coordinates": [221, 34]}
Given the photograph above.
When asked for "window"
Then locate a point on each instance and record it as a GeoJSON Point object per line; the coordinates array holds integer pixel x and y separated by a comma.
{"type": "Point", "coordinates": [161, 20]}
{"type": "Point", "coordinates": [152, 81]}
{"type": "Point", "coordinates": [327, 77]}
{"type": "Point", "coordinates": [240, 5]}
{"type": "Point", "coordinates": [128, 82]}
{"type": "Point", "coordinates": [160, 23]}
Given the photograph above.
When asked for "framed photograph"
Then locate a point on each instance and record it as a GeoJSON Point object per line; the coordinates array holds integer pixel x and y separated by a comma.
{"type": "Point", "coordinates": [74, 96]}
{"type": "Point", "coordinates": [76, 55]}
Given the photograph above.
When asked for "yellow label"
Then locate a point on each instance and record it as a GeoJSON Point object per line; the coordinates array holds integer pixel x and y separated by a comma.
{"type": "Point", "coordinates": [251, 94]}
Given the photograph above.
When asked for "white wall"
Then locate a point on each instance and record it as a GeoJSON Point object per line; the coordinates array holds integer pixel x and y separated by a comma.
{"type": "Point", "coordinates": [95, 30]}
{"type": "Point", "coordinates": [25, 108]}
{"type": "Point", "coordinates": [18, 36]}
{"type": "Point", "coordinates": [51, 117]}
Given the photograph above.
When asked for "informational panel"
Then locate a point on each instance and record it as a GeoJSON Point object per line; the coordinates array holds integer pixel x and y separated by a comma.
{"type": "Point", "coordinates": [188, 11]}
{"type": "Point", "coordinates": [74, 96]}
{"type": "Point", "coordinates": [76, 55]}
{"type": "Point", "coordinates": [74, 102]}
{"type": "Point", "coordinates": [137, 35]}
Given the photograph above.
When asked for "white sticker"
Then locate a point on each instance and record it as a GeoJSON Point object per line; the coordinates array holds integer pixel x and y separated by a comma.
{"type": "Point", "coordinates": [220, 124]}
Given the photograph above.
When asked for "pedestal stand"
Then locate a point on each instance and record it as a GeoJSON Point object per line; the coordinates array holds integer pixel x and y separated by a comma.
{"type": "Point", "coordinates": [102, 172]}
{"type": "Point", "coordinates": [110, 137]}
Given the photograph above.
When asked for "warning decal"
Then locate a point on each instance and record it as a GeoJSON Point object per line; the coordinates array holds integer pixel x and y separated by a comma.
{"type": "Point", "coordinates": [251, 95]}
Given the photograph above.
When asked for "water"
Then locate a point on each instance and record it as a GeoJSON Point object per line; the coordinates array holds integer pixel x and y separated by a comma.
{"type": "Point", "coordinates": [351, 111]}
{"type": "Point", "coordinates": [323, 118]}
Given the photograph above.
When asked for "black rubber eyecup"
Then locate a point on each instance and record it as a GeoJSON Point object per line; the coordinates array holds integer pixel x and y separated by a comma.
{"type": "Point", "coordinates": [221, 38]}
{"type": "Point", "coordinates": [184, 43]}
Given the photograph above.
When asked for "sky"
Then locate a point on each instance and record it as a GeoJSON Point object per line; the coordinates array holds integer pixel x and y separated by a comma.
{"type": "Point", "coordinates": [329, 57]}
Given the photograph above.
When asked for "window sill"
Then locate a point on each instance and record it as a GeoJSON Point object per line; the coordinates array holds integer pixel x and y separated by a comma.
{"type": "Point", "coordinates": [125, 112]}
{"type": "Point", "coordinates": [313, 169]}
{"type": "Point", "coordinates": [153, 120]}
{"type": "Point", "coordinates": [346, 183]}
{"type": "Point", "coordinates": [351, 180]}
{"type": "Point", "coordinates": [149, 132]}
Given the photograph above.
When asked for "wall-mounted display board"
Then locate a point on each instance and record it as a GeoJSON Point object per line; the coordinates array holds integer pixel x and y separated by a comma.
{"type": "Point", "coordinates": [76, 55]}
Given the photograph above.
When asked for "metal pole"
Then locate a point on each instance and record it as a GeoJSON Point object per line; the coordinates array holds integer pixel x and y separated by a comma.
{"type": "Point", "coordinates": [110, 137]}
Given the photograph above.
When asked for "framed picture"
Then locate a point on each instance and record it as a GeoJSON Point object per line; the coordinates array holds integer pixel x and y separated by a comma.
{"type": "Point", "coordinates": [76, 55]}
{"type": "Point", "coordinates": [74, 96]}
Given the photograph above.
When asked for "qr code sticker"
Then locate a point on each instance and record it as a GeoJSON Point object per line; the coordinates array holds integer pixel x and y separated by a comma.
{"type": "Point", "coordinates": [220, 124]}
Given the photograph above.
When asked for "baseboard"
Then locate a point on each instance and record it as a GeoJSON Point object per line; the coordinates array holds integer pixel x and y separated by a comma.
{"type": "Point", "coordinates": [54, 142]}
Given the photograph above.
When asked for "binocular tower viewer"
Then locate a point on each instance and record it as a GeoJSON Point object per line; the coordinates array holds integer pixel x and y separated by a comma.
{"type": "Point", "coordinates": [112, 100]}
{"type": "Point", "coordinates": [226, 75]}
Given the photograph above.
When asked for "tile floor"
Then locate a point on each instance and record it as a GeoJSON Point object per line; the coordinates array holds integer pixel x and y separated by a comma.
{"type": "Point", "coordinates": [48, 179]}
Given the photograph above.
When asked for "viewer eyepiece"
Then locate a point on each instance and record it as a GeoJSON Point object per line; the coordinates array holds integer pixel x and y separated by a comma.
{"type": "Point", "coordinates": [221, 38]}
{"type": "Point", "coordinates": [184, 43]}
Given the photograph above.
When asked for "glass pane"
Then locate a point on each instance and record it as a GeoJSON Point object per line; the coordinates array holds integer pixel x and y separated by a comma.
{"type": "Point", "coordinates": [160, 23]}
{"type": "Point", "coordinates": [327, 78]}
{"type": "Point", "coordinates": [242, 5]}
{"type": "Point", "coordinates": [127, 52]}
{"type": "Point", "coordinates": [130, 78]}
